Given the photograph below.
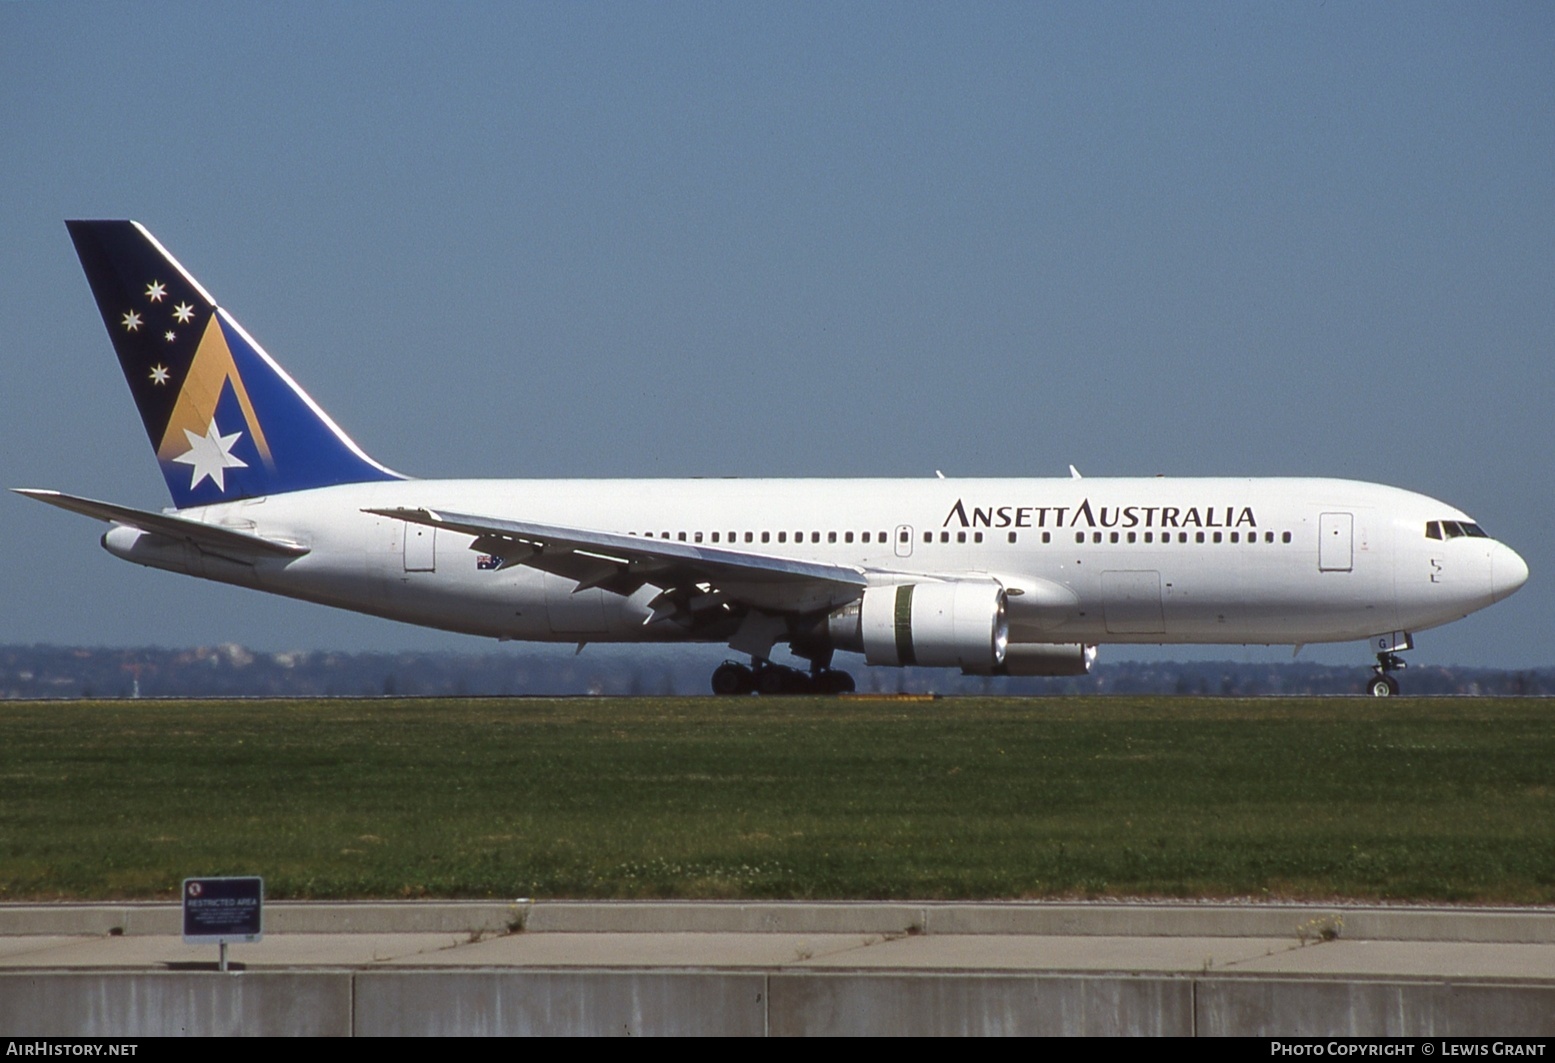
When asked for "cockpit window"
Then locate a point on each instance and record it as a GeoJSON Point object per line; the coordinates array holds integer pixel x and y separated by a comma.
{"type": "Point", "coordinates": [1453, 529]}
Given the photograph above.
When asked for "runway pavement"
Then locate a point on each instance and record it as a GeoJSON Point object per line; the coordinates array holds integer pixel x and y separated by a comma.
{"type": "Point", "coordinates": [1348, 940]}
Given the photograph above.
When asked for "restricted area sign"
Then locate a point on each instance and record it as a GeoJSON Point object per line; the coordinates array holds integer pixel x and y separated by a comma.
{"type": "Point", "coordinates": [218, 911]}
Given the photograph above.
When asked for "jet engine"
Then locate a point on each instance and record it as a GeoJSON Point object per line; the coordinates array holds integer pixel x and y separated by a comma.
{"type": "Point", "coordinates": [959, 624]}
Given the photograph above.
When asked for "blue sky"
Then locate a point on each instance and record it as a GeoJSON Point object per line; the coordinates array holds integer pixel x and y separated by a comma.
{"type": "Point", "coordinates": [796, 239]}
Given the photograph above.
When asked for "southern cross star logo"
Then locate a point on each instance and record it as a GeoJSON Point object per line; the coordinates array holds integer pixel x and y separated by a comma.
{"type": "Point", "coordinates": [155, 291]}
{"type": "Point", "coordinates": [211, 455]}
{"type": "Point", "coordinates": [159, 374]}
{"type": "Point", "coordinates": [131, 320]}
{"type": "Point", "coordinates": [182, 313]}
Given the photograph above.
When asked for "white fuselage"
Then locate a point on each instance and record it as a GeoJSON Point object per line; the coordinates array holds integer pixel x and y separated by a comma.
{"type": "Point", "coordinates": [1085, 560]}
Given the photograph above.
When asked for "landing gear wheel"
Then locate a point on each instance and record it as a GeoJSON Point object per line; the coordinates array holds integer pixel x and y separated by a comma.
{"type": "Point", "coordinates": [1382, 686]}
{"type": "Point", "coordinates": [772, 679]}
{"type": "Point", "coordinates": [829, 682]}
{"type": "Point", "coordinates": [731, 678]}
{"type": "Point", "coordinates": [797, 682]}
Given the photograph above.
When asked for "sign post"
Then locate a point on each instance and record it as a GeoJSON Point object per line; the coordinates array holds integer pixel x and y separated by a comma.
{"type": "Point", "coordinates": [222, 910]}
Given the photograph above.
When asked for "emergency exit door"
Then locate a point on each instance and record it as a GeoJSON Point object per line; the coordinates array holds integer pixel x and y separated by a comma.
{"type": "Point", "coordinates": [1335, 542]}
{"type": "Point", "coordinates": [420, 548]}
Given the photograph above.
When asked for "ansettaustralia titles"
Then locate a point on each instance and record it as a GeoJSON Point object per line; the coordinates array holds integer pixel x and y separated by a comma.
{"type": "Point", "coordinates": [1088, 516]}
{"type": "Point", "coordinates": [1406, 1048]}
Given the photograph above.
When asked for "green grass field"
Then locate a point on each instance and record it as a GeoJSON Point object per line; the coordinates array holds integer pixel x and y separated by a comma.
{"type": "Point", "coordinates": [1407, 799]}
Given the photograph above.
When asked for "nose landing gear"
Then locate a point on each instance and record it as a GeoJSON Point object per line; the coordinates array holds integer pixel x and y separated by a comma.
{"type": "Point", "coordinates": [1382, 684]}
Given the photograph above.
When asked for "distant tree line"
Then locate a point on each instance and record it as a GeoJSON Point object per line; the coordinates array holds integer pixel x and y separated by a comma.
{"type": "Point", "coordinates": [232, 671]}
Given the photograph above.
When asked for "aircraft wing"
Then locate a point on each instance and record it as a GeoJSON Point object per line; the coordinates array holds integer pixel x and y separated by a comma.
{"type": "Point", "coordinates": [625, 563]}
{"type": "Point", "coordinates": [213, 537]}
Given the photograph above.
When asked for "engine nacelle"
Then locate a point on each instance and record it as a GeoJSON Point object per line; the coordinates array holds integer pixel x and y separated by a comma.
{"type": "Point", "coordinates": [961, 624]}
{"type": "Point", "coordinates": [1042, 659]}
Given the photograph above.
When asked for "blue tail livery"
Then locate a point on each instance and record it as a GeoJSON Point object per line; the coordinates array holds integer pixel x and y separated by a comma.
{"type": "Point", "coordinates": [225, 420]}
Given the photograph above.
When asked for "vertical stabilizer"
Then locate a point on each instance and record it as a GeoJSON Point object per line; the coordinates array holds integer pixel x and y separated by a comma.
{"type": "Point", "coordinates": [225, 420]}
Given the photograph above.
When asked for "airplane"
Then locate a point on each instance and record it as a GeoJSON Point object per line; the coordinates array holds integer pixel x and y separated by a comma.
{"type": "Point", "coordinates": [994, 577]}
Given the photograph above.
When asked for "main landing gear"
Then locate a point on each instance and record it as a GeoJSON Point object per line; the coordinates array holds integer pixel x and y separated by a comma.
{"type": "Point", "coordinates": [764, 677]}
{"type": "Point", "coordinates": [1382, 684]}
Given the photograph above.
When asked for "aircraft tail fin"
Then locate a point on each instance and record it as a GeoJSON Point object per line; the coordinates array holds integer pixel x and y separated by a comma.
{"type": "Point", "coordinates": [226, 422]}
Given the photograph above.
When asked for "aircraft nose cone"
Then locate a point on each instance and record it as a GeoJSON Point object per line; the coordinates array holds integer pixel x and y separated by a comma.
{"type": "Point", "coordinates": [1508, 571]}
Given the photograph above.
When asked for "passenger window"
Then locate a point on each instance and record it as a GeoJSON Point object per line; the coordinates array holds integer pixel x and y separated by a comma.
{"type": "Point", "coordinates": [960, 537]}
{"type": "Point", "coordinates": [681, 536]}
{"type": "Point", "coordinates": [815, 537]}
{"type": "Point", "coordinates": [1217, 537]}
{"type": "Point", "coordinates": [977, 537]}
{"type": "Point", "coordinates": [1079, 537]}
{"type": "Point", "coordinates": [697, 537]}
{"type": "Point", "coordinates": [1114, 537]}
{"type": "Point", "coordinates": [1047, 537]}
{"type": "Point", "coordinates": [928, 537]}
{"type": "Point", "coordinates": [766, 537]}
{"type": "Point", "coordinates": [831, 537]}
{"type": "Point", "coordinates": [1198, 537]}
{"type": "Point", "coordinates": [1130, 536]}
{"type": "Point", "coordinates": [1285, 538]}
{"type": "Point", "coordinates": [782, 537]}
{"type": "Point", "coordinates": [866, 537]}
{"type": "Point", "coordinates": [1182, 537]}
{"type": "Point", "coordinates": [1235, 537]}
{"type": "Point", "coordinates": [847, 537]}
{"type": "Point", "coordinates": [1268, 537]}
{"type": "Point", "coordinates": [1012, 537]}
{"type": "Point", "coordinates": [1149, 537]}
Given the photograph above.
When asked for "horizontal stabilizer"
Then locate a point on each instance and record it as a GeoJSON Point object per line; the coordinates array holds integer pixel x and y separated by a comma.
{"type": "Point", "coordinates": [210, 535]}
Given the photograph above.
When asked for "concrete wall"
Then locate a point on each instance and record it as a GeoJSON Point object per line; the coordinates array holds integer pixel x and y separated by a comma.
{"type": "Point", "coordinates": [506, 1001]}
{"type": "Point", "coordinates": [173, 1003]}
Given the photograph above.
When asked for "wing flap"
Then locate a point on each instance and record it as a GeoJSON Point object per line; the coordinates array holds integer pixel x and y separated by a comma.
{"type": "Point", "coordinates": [635, 561]}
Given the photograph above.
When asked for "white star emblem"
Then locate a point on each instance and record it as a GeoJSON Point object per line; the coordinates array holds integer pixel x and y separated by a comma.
{"type": "Point", "coordinates": [183, 312]}
{"type": "Point", "coordinates": [168, 336]}
{"type": "Point", "coordinates": [131, 320]}
{"type": "Point", "coordinates": [159, 374]}
{"type": "Point", "coordinates": [155, 291]}
{"type": "Point", "coordinates": [211, 455]}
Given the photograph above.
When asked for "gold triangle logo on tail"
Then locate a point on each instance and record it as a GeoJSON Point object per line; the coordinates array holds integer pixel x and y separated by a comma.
{"type": "Point", "coordinates": [212, 369]}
